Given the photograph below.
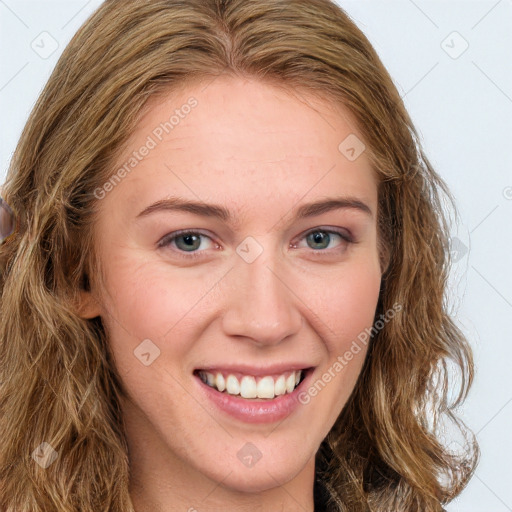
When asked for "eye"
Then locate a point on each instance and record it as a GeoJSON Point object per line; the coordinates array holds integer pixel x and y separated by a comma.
{"type": "Point", "coordinates": [185, 241]}
{"type": "Point", "coordinates": [322, 239]}
{"type": "Point", "coordinates": [190, 244]}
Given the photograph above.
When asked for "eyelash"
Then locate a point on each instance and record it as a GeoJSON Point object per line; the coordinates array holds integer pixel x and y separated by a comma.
{"type": "Point", "coordinates": [168, 239]}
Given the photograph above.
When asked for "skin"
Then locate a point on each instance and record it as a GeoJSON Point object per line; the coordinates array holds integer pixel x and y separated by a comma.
{"type": "Point", "coordinates": [261, 152]}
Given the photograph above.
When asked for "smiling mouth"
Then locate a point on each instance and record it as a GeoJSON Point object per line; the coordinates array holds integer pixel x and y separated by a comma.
{"type": "Point", "coordinates": [249, 387]}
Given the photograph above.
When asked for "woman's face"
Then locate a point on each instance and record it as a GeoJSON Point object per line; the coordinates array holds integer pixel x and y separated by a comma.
{"type": "Point", "coordinates": [277, 271]}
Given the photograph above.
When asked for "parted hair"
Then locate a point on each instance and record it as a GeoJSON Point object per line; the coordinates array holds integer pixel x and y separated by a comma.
{"type": "Point", "coordinates": [387, 450]}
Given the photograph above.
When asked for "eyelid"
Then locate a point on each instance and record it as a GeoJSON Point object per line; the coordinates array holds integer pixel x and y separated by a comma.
{"type": "Point", "coordinates": [175, 234]}
{"type": "Point", "coordinates": [344, 233]}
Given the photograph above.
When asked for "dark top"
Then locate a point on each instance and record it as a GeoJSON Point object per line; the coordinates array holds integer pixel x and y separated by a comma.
{"type": "Point", "coordinates": [321, 496]}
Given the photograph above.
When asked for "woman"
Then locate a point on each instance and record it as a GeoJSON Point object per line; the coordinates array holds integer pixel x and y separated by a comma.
{"type": "Point", "coordinates": [226, 287]}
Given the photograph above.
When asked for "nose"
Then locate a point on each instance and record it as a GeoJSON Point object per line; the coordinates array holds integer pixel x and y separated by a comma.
{"type": "Point", "coordinates": [261, 303]}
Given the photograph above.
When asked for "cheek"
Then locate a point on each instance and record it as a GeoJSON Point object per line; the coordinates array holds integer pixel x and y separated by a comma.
{"type": "Point", "coordinates": [347, 309]}
{"type": "Point", "coordinates": [150, 298]}
{"type": "Point", "coordinates": [144, 302]}
{"type": "Point", "coordinates": [167, 305]}
{"type": "Point", "coordinates": [346, 304]}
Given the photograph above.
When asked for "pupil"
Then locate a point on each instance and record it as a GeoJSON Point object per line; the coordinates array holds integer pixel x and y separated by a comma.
{"type": "Point", "coordinates": [189, 241]}
{"type": "Point", "coordinates": [320, 238]}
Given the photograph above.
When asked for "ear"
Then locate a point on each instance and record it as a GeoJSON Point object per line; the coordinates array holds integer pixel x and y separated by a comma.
{"type": "Point", "coordinates": [386, 260]}
{"type": "Point", "coordinates": [85, 303]}
{"type": "Point", "coordinates": [384, 253]}
{"type": "Point", "coordinates": [87, 306]}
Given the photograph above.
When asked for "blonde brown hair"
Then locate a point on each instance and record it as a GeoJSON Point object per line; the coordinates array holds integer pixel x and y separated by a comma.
{"type": "Point", "coordinates": [58, 383]}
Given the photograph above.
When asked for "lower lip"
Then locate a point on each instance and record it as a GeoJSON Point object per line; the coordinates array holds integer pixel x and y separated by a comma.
{"type": "Point", "coordinates": [252, 411]}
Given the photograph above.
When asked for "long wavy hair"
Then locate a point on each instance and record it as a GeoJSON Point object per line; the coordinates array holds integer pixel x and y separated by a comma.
{"type": "Point", "coordinates": [58, 383]}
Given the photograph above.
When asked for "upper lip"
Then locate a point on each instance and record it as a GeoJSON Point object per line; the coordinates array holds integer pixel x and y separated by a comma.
{"type": "Point", "coordinates": [256, 371]}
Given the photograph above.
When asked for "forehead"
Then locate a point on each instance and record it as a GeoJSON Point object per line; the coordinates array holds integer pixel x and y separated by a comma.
{"type": "Point", "coordinates": [245, 142]}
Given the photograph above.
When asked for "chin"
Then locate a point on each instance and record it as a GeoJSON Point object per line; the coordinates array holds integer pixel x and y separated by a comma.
{"type": "Point", "coordinates": [281, 467]}
{"type": "Point", "coordinates": [256, 480]}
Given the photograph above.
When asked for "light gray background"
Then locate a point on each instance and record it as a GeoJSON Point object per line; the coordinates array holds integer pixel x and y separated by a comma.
{"type": "Point", "coordinates": [461, 102]}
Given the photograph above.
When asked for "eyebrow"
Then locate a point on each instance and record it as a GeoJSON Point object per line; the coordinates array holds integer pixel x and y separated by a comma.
{"type": "Point", "coordinates": [220, 212]}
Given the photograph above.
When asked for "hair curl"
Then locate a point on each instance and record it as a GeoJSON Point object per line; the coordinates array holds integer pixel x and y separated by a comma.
{"type": "Point", "coordinates": [58, 383]}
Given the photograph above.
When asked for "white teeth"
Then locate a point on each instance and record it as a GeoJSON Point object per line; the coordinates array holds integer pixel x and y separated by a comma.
{"type": "Point", "coordinates": [266, 387]}
{"type": "Point", "coordinates": [248, 388]}
{"type": "Point", "coordinates": [232, 385]}
{"type": "Point", "coordinates": [220, 383]}
{"type": "Point", "coordinates": [290, 383]}
{"type": "Point", "coordinates": [280, 386]}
